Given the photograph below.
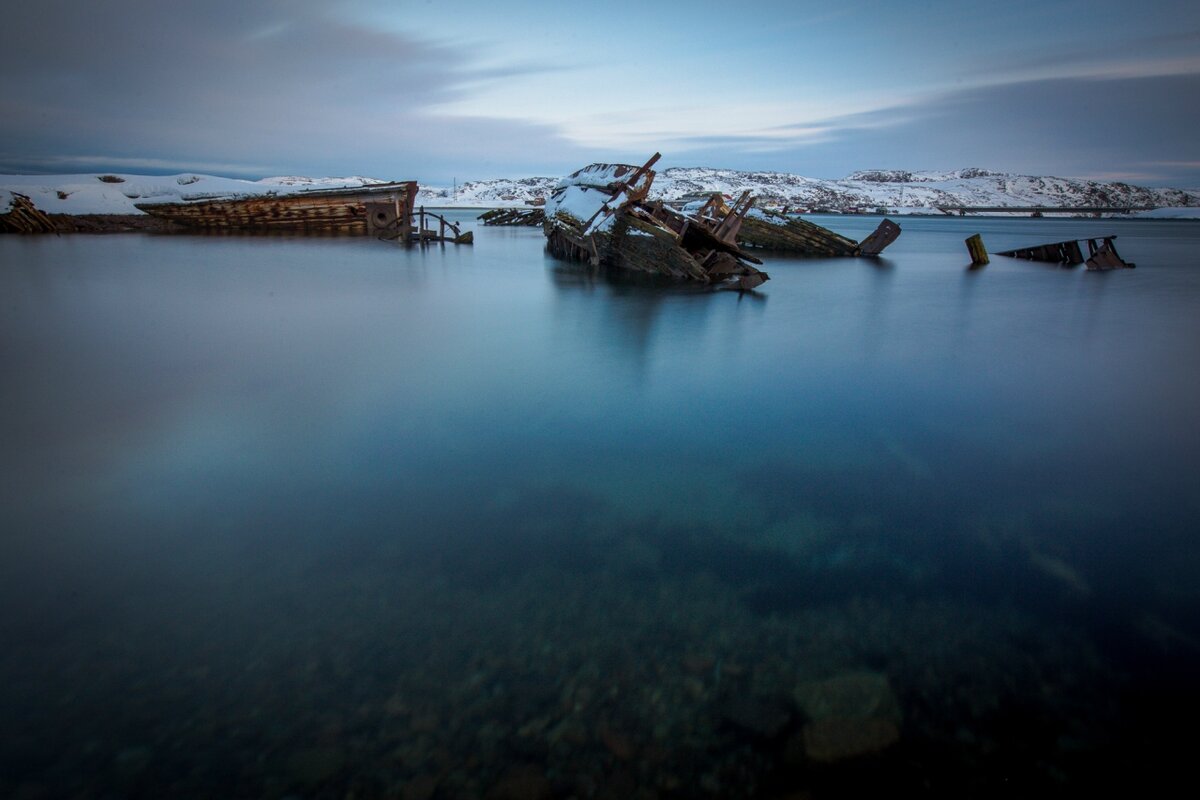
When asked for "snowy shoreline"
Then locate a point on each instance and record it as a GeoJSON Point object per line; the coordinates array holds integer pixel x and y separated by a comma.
{"type": "Point", "coordinates": [894, 193]}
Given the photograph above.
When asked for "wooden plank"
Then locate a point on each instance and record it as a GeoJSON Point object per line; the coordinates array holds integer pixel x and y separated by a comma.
{"type": "Point", "coordinates": [978, 252]}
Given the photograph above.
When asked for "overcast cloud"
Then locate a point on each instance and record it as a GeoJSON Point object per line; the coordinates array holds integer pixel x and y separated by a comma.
{"type": "Point", "coordinates": [250, 87]}
{"type": "Point", "coordinates": [469, 90]}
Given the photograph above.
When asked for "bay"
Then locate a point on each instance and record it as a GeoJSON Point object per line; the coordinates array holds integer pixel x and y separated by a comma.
{"type": "Point", "coordinates": [303, 516]}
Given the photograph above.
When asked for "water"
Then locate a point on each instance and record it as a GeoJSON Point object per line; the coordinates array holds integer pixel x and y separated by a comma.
{"type": "Point", "coordinates": [318, 517]}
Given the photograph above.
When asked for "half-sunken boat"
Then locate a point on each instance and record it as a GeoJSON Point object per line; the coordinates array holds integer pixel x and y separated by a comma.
{"type": "Point", "coordinates": [385, 210]}
{"type": "Point", "coordinates": [782, 233]}
{"type": "Point", "coordinates": [599, 215]}
{"type": "Point", "coordinates": [1102, 254]}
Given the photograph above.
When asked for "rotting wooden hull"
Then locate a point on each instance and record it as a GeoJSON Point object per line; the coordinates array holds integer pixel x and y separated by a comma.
{"type": "Point", "coordinates": [1102, 253]}
{"type": "Point", "coordinates": [532, 217]}
{"type": "Point", "coordinates": [354, 211]}
{"type": "Point", "coordinates": [599, 215]}
{"type": "Point", "coordinates": [789, 235]}
{"type": "Point", "coordinates": [768, 230]}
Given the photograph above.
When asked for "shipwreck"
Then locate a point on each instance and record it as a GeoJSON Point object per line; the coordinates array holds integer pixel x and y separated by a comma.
{"type": "Point", "coordinates": [1102, 254]}
{"type": "Point", "coordinates": [386, 211]}
{"type": "Point", "coordinates": [531, 217]}
{"type": "Point", "coordinates": [783, 233]}
{"type": "Point", "coordinates": [599, 215]}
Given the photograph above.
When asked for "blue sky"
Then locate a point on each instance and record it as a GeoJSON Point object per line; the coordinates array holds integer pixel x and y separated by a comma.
{"type": "Point", "coordinates": [444, 90]}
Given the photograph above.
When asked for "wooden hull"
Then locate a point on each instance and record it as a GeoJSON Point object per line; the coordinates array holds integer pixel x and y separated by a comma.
{"type": "Point", "coordinates": [766, 230]}
{"type": "Point", "coordinates": [356, 211]}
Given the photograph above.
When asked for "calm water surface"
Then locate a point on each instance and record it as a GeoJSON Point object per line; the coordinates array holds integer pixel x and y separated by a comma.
{"type": "Point", "coordinates": [325, 518]}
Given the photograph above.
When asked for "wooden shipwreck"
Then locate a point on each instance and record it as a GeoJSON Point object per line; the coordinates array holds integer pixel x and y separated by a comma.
{"type": "Point", "coordinates": [599, 215]}
{"type": "Point", "coordinates": [24, 217]}
{"type": "Point", "coordinates": [532, 217]}
{"type": "Point", "coordinates": [384, 210]}
{"type": "Point", "coordinates": [770, 230]}
{"type": "Point", "coordinates": [1102, 254]}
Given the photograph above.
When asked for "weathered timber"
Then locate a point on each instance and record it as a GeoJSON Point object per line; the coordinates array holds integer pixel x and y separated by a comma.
{"type": "Point", "coordinates": [1104, 256]}
{"type": "Point", "coordinates": [883, 235]}
{"type": "Point", "coordinates": [1067, 253]}
{"type": "Point", "coordinates": [1102, 253]}
{"type": "Point", "coordinates": [382, 210]}
{"type": "Point", "coordinates": [978, 252]}
{"type": "Point", "coordinates": [599, 215]}
{"type": "Point", "coordinates": [513, 216]}
{"type": "Point", "coordinates": [335, 210]}
{"type": "Point", "coordinates": [770, 230]}
{"type": "Point", "coordinates": [24, 217]}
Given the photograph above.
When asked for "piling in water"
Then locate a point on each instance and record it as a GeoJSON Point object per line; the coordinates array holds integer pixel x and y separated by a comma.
{"type": "Point", "coordinates": [978, 252]}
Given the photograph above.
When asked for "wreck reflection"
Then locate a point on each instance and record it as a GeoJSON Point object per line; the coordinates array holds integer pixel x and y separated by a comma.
{"type": "Point", "coordinates": [623, 312]}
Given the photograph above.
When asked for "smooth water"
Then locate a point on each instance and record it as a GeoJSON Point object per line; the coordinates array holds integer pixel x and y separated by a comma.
{"type": "Point", "coordinates": [290, 517]}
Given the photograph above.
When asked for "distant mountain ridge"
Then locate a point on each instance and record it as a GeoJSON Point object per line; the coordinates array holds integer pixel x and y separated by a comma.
{"type": "Point", "coordinates": [896, 191]}
{"type": "Point", "coordinates": [862, 190]}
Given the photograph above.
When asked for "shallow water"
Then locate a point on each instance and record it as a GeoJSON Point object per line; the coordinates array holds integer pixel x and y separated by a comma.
{"type": "Point", "coordinates": [312, 517]}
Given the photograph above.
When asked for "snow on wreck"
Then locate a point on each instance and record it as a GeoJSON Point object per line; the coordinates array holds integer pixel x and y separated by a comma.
{"type": "Point", "coordinates": [600, 215]}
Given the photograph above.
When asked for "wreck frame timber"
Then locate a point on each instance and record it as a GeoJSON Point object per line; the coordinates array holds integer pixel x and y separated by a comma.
{"type": "Point", "coordinates": [599, 215]}
{"type": "Point", "coordinates": [770, 230]}
{"type": "Point", "coordinates": [384, 210]}
{"type": "Point", "coordinates": [1102, 254]}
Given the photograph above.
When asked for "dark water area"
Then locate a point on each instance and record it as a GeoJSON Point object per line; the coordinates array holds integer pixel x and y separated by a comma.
{"type": "Point", "coordinates": [325, 518]}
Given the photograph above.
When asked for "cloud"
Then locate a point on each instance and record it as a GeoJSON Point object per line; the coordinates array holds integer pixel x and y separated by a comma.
{"type": "Point", "coordinates": [16, 163]}
{"type": "Point", "coordinates": [274, 87]}
{"type": "Point", "coordinates": [1161, 54]}
{"type": "Point", "coordinates": [257, 87]}
{"type": "Point", "coordinates": [1072, 127]}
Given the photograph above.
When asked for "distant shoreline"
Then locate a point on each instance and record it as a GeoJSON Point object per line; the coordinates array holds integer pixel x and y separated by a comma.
{"type": "Point", "coordinates": [145, 223]}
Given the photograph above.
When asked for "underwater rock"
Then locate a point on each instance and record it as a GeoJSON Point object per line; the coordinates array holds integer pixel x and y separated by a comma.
{"type": "Point", "coordinates": [521, 783]}
{"type": "Point", "coordinates": [854, 695]}
{"type": "Point", "coordinates": [396, 705]}
{"type": "Point", "coordinates": [421, 787]}
{"type": "Point", "coordinates": [755, 715]}
{"type": "Point", "coordinates": [698, 663]}
{"type": "Point", "coordinates": [836, 738]}
{"type": "Point", "coordinates": [848, 715]}
{"type": "Point", "coordinates": [571, 731]}
{"type": "Point", "coordinates": [132, 761]}
{"type": "Point", "coordinates": [316, 765]}
{"type": "Point", "coordinates": [616, 743]}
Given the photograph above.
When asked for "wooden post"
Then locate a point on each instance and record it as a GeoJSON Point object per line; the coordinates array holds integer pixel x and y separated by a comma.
{"type": "Point", "coordinates": [975, 247]}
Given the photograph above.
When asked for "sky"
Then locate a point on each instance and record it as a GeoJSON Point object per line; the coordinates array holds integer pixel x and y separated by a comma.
{"type": "Point", "coordinates": [444, 90]}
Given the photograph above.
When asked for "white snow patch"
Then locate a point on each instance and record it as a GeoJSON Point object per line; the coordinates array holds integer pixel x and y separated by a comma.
{"type": "Point", "coordinates": [580, 202]}
{"type": "Point", "coordinates": [1184, 212]}
{"type": "Point", "coordinates": [88, 194]}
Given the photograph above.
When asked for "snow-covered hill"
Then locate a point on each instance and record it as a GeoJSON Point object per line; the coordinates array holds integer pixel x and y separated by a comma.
{"type": "Point", "coordinates": [894, 190]}
{"type": "Point", "coordinates": [897, 191]}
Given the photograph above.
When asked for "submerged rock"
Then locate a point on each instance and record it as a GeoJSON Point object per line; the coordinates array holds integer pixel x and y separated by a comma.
{"type": "Point", "coordinates": [521, 783]}
{"type": "Point", "coordinates": [316, 765]}
{"type": "Point", "coordinates": [132, 761]}
{"type": "Point", "coordinates": [616, 743]}
{"type": "Point", "coordinates": [755, 715]}
{"type": "Point", "coordinates": [853, 695]}
{"type": "Point", "coordinates": [848, 715]}
{"type": "Point", "coordinates": [421, 787]}
{"type": "Point", "coordinates": [837, 738]}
